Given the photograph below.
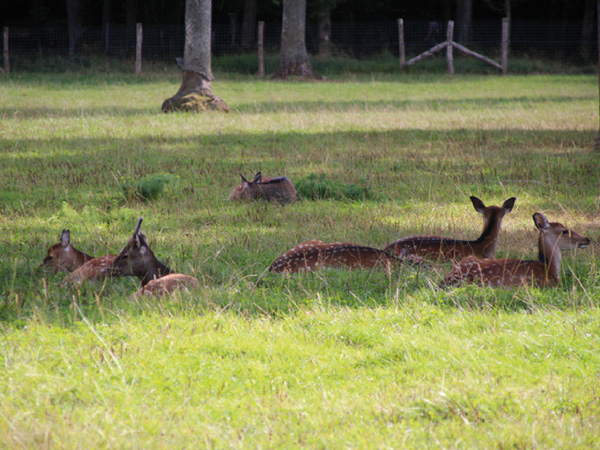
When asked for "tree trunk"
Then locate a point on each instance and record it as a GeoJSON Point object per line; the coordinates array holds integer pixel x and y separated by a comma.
{"type": "Point", "coordinates": [464, 9]}
{"type": "Point", "coordinates": [293, 58]}
{"type": "Point", "coordinates": [587, 30]}
{"type": "Point", "coordinates": [75, 26]}
{"type": "Point", "coordinates": [131, 13]}
{"type": "Point", "coordinates": [597, 140]}
{"type": "Point", "coordinates": [195, 92]}
{"type": "Point", "coordinates": [325, 33]}
{"type": "Point", "coordinates": [249, 25]}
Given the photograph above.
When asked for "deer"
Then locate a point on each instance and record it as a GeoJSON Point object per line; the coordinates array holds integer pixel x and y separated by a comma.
{"type": "Point", "coordinates": [63, 257]}
{"type": "Point", "coordinates": [445, 249]}
{"type": "Point", "coordinates": [315, 254]}
{"type": "Point", "coordinates": [137, 259]}
{"type": "Point", "coordinates": [554, 237]}
{"type": "Point", "coordinates": [278, 189]}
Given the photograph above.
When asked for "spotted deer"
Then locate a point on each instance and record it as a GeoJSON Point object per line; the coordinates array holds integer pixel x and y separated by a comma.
{"type": "Point", "coordinates": [312, 255]}
{"type": "Point", "coordinates": [554, 237]}
{"type": "Point", "coordinates": [446, 249]}
{"type": "Point", "coordinates": [278, 189]}
{"type": "Point", "coordinates": [63, 257]}
{"type": "Point", "coordinates": [137, 259]}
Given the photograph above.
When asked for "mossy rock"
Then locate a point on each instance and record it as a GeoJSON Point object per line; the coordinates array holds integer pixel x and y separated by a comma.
{"type": "Point", "coordinates": [195, 102]}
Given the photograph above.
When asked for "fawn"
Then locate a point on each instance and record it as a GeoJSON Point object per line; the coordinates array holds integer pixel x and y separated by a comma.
{"type": "Point", "coordinates": [137, 259]}
{"type": "Point", "coordinates": [445, 249]}
{"type": "Point", "coordinates": [278, 189]}
{"type": "Point", "coordinates": [554, 237]}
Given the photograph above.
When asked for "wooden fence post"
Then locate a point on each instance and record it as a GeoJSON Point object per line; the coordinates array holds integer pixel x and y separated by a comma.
{"type": "Point", "coordinates": [505, 41]}
{"type": "Point", "coordinates": [261, 56]}
{"type": "Point", "coordinates": [401, 43]}
{"type": "Point", "coordinates": [449, 47]}
{"type": "Point", "coordinates": [138, 49]}
{"type": "Point", "coordinates": [6, 61]}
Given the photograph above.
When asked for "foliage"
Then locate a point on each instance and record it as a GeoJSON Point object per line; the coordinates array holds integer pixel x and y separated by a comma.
{"type": "Point", "coordinates": [318, 187]}
{"type": "Point", "coordinates": [146, 188]}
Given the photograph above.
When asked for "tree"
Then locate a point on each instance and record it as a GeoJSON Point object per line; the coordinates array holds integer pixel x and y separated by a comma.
{"type": "Point", "coordinates": [249, 25]}
{"type": "Point", "coordinates": [597, 140]}
{"type": "Point", "coordinates": [464, 11]}
{"type": "Point", "coordinates": [195, 92]}
{"type": "Point", "coordinates": [293, 57]}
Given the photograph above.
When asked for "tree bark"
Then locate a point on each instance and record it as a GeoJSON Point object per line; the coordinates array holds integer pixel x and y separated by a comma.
{"type": "Point", "coordinates": [249, 25]}
{"type": "Point", "coordinates": [75, 26]}
{"type": "Point", "coordinates": [293, 57]}
{"type": "Point", "coordinates": [195, 92]}
{"type": "Point", "coordinates": [464, 9]}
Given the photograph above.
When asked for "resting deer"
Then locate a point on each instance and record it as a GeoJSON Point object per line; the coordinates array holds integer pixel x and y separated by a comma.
{"type": "Point", "coordinates": [544, 272]}
{"type": "Point", "coordinates": [137, 259]}
{"type": "Point", "coordinates": [63, 257]}
{"type": "Point", "coordinates": [445, 249]}
{"type": "Point", "coordinates": [278, 189]}
{"type": "Point", "coordinates": [311, 255]}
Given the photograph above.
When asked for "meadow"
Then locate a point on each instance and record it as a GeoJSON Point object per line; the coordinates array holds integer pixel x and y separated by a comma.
{"type": "Point", "coordinates": [331, 359]}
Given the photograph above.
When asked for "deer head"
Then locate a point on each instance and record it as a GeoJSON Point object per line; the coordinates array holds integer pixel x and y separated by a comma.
{"type": "Point", "coordinates": [63, 256]}
{"type": "Point", "coordinates": [137, 259]}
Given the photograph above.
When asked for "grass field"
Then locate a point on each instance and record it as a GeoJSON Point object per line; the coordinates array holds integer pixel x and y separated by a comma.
{"type": "Point", "coordinates": [333, 359]}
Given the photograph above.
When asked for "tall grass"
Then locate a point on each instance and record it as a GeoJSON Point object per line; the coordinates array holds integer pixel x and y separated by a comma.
{"type": "Point", "coordinates": [333, 359]}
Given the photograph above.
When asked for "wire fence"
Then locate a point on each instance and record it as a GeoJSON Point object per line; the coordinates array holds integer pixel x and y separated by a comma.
{"type": "Point", "coordinates": [571, 42]}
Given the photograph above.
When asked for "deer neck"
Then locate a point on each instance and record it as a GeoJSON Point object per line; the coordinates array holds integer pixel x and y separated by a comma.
{"type": "Point", "coordinates": [489, 237]}
{"type": "Point", "coordinates": [154, 270]}
{"type": "Point", "coordinates": [549, 255]}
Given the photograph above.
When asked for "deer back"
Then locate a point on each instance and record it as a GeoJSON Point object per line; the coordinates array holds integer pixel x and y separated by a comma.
{"type": "Point", "coordinates": [94, 269]}
{"type": "Point", "coordinates": [167, 284]}
{"type": "Point", "coordinates": [63, 257]}
{"type": "Point", "coordinates": [314, 254]}
{"type": "Point", "coordinates": [447, 249]}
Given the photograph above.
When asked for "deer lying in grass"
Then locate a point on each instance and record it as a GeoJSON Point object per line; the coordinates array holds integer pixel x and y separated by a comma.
{"type": "Point", "coordinates": [137, 259]}
{"type": "Point", "coordinates": [278, 189]}
{"type": "Point", "coordinates": [64, 257]}
{"type": "Point", "coordinates": [544, 272]}
{"type": "Point", "coordinates": [445, 249]}
{"type": "Point", "coordinates": [312, 255]}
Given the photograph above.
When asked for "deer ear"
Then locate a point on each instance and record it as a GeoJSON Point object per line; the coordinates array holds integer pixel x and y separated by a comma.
{"type": "Point", "coordinates": [257, 178]}
{"type": "Point", "coordinates": [508, 204]}
{"type": "Point", "coordinates": [65, 238]}
{"type": "Point", "coordinates": [541, 223]}
{"type": "Point", "coordinates": [142, 244]}
{"type": "Point", "coordinates": [478, 205]}
{"type": "Point", "coordinates": [243, 178]}
{"type": "Point", "coordinates": [138, 226]}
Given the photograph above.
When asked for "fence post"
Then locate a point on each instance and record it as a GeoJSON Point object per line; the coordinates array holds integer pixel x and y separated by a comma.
{"type": "Point", "coordinates": [138, 49]}
{"type": "Point", "coordinates": [261, 57]}
{"type": "Point", "coordinates": [401, 43]}
{"type": "Point", "coordinates": [6, 61]}
{"type": "Point", "coordinates": [505, 41]}
{"type": "Point", "coordinates": [449, 39]}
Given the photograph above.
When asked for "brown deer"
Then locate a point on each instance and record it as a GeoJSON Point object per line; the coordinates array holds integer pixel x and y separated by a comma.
{"type": "Point", "coordinates": [544, 272]}
{"type": "Point", "coordinates": [312, 255]}
{"type": "Point", "coordinates": [278, 189]}
{"type": "Point", "coordinates": [137, 259]}
{"type": "Point", "coordinates": [445, 249]}
{"type": "Point", "coordinates": [63, 257]}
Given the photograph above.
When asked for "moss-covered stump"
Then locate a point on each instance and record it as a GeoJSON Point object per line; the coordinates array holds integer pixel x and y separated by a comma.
{"type": "Point", "coordinates": [194, 102]}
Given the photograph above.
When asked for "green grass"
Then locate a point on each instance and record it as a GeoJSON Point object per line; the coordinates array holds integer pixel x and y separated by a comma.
{"type": "Point", "coordinates": [333, 359]}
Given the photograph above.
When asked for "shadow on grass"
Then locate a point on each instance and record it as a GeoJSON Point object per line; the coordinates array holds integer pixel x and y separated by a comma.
{"type": "Point", "coordinates": [304, 106]}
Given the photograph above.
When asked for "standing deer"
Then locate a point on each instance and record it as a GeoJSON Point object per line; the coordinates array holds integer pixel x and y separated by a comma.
{"type": "Point", "coordinates": [311, 255]}
{"type": "Point", "coordinates": [544, 272]}
{"type": "Point", "coordinates": [445, 249]}
{"type": "Point", "coordinates": [137, 259]}
{"type": "Point", "coordinates": [63, 257]}
{"type": "Point", "coordinates": [278, 189]}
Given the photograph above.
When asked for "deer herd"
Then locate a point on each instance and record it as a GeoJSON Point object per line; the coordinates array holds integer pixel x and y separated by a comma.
{"type": "Point", "coordinates": [473, 261]}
